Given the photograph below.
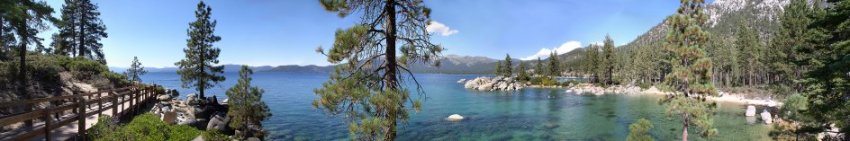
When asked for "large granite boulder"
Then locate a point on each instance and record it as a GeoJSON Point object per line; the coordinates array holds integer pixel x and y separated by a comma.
{"type": "Point", "coordinates": [163, 97]}
{"type": "Point", "coordinates": [217, 123]}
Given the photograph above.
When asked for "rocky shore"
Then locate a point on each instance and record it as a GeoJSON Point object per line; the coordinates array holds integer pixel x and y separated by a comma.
{"type": "Point", "coordinates": [590, 89]}
{"type": "Point", "coordinates": [203, 113]}
{"type": "Point", "coordinates": [493, 84]}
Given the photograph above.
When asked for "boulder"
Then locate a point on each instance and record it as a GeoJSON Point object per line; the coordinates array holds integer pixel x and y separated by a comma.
{"type": "Point", "coordinates": [163, 97]}
{"type": "Point", "coordinates": [169, 117]}
{"type": "Point", "coordinates": [185, 119]}
{"type": "Point", "coordinates": [751, 111]}
{"type": "Point", "coordinates": [217, 123]}
{"type": "Point", "coordinates": [454, 117]}
{"type": "Point", "coordinates": [768, 119]}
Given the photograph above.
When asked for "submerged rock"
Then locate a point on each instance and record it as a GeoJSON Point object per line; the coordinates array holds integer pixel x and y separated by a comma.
{"type": "Point", "coordinates": [455, 117]}
{"type": "Point", "coordinates": [751, 111]}
{"type": "Point", "coordinates": [461, 81]}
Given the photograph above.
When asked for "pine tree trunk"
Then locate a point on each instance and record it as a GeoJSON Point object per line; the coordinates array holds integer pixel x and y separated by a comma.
{"type": "Point", "coordinates": [22, 73]}
{"type": "Point", "coordinates": [390, 77]}
{"type": "Point", "coordinates": [82, 31]}
{"type": "Point", "coordinates": [202, 76]}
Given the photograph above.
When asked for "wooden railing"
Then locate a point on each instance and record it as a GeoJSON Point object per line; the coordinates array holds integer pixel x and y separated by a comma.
{"type": "Point", "coordinates": [134, 96]}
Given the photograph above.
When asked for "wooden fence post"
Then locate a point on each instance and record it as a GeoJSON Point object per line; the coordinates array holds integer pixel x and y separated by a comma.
{"type": "Point", "coordinates": [114, 103]}
{"type": "Point", "coordinates": [81, 115]}
{"type": "Point", "coordinates": [46, 115]}
{"type": "Point", "coordinates": [99, 103]}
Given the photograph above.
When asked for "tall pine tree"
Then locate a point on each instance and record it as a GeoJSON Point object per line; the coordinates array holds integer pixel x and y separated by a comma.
{"type": "Point", "coordinates": [608, 60]}
{"type": "Point", "coordinates": [25, 18]}
{"type": "Point", "coordinates": [690, 77]}
{"type": "Point", "coordinates": [828, 81]}
{"type": "Point", "coordinates": [80, 30]}
{"type": "Point", "coordinates": [521, 73]}
{"type": "Point", "coordinates": [538, 67]}
{"type": "Point", "coordinates": [370, 70]}
{"type": "Point", "coordinates": [790, 36]}
{"type": "Point", "coordinates": [198, 69]}
{"type": "Point", "coordinates": [554, 64]}
{"type": "Point", "coordinates": [508, 67]}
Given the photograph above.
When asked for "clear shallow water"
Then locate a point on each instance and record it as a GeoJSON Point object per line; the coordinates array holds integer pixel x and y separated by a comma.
{"type": "Point", "coordinates": [528, 114]}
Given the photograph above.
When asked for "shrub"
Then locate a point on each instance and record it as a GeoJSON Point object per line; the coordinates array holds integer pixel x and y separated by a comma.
{"type": "Point", "coordinates": [143, 127]}
{"type": "Point", "coordinates": [84, 68]}
{"type": "Point", "coordinates": [116, 79]}
{"type": "Point", "coordinates": [215, 136]}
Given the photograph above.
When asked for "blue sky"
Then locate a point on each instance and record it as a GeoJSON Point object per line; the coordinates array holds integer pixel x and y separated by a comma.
{"type": "Point", "coordinates": [266, 32]}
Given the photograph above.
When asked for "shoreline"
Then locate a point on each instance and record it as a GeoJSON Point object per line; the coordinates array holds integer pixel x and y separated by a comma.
{"type": "Point", "coordinates": [589, 89]}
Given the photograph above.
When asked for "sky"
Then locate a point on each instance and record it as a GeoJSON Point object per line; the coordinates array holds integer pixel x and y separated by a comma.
{"type": "Point", "coordinates": [286, 32]}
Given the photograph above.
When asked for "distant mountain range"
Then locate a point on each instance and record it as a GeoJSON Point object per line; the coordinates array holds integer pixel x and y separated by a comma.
{"type": "Point", "coordinates": [235, 68]}
{"type": "Point", "coordinates": [450, 64]}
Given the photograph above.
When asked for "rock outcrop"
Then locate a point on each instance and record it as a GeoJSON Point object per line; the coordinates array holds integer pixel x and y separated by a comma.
{"type": "Point", "coordinates": [585, 88]}
{"type": "Point", "coordinates": [494, 84]}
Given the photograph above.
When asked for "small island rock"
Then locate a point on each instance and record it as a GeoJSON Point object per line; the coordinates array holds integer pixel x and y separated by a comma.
{"type": "Point", "coordinates": [751, 111]}
{"type": "Point", "coordinates": [454, 117]}
{"type": "Point", "coordinates": [768, 119]}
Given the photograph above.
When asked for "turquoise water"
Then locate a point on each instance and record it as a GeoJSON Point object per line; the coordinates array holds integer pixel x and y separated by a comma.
{"type": "Point", "coordinates": [528, 114]}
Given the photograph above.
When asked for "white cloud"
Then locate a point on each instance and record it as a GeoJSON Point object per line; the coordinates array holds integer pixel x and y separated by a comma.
{"type": "Point", "coordinates": [564, 48]}
{"type": "Point", "coordinates": [441, 28]}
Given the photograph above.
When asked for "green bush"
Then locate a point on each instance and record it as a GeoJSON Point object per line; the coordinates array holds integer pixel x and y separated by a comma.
{"type": "Point", "coordinates": [84, 68]}
{"type": "Point", "coordinates": [143, 127]}
{"type": "Point", "coordinates": [215, 136]}
{"type": "Point", "coordinates": [118, 80]}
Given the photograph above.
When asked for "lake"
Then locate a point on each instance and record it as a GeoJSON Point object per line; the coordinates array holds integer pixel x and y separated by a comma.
{"type": "Point", "coordinates": [528, 114]}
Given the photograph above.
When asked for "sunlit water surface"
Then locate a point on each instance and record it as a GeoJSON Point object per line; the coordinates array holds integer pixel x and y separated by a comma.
{"type": "Point", "coordinates": [528, 114]}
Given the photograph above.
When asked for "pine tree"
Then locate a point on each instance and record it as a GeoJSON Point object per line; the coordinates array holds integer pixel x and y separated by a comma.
{"type": "Point", "coordinates": [500, 70]}
{"type": "Point", "coordinates": [508, 67]}
{"type": "Point", "coordinates": [25, 18]}
{"type": "Point", "coordinates": [81, 29]}
{"type": "Point", "coordinates": [828, 79]}
{"type": "Point", "coordinates": [372, 72]}
{"type": "Point", "coordinates": [608, 60]}
{"type": "Point", "coordinates": [790, 36]}
{"type": "Point", "coordinates": [751, 52]}
{"type": "Point", "coordinates": [691, 69]}
{"type": "Point", "coordinates": [136, 70]}
{"type": "Point", "coordinates": [522, 75]}
{"type": "Point", "coordinates": [554, 64]}
{"type": "Point", "coordinates": [198, 69]}
{"type": "Point", "coordinates": [639, 131]}
{"type": "Point", "coordinates": [538, 67]}
{"type": "Point", "coordinates": [592, 62]}
{"type": "Point", "coordinates": [246, 106]}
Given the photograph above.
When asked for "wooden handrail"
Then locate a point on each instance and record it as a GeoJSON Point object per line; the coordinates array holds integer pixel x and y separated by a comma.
{"type": "Point", "coordinates": [136, 96]}
{"type": "Point", "coordinates": [55, 98]}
